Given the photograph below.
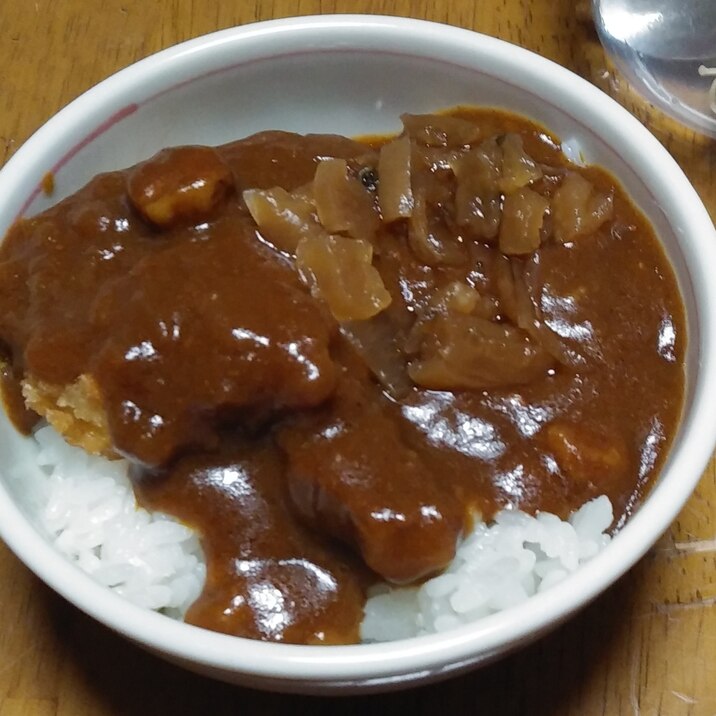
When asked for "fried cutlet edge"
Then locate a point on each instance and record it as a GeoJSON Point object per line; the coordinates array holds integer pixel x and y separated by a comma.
{"type": "Point", "coordinates": [75, 410]}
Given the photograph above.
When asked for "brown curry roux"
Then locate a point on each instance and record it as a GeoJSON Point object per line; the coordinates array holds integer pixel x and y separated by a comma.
{"type": "Point", "coordinates": [249, 415]}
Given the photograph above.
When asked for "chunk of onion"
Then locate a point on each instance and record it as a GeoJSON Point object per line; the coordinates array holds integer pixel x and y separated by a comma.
{"type": "Point", "coordinates": [431, 241]}
{"type": "Point", "coordinates": [439, 130]}
{"type": "Point", "coordinates": [578, 209]}
{"type": "Point", "coordinates": [518, 168]}
{"type": "Point", "coordinates": [343, 204]}
{"type": "Point", "coordinates": [283, 219]}
{"type": "Point", "coordinates": [455, 296]}
{"type": "Point", "coordinates": [375, 341]}
{"type": "Point", "coordinates": [469, 353]}
{"type": "Point", "coordinates": [339, 270]}
{"type": "Point", "coordinates": [477, 194]}
{"type": "Point", "coordinates": [522, 216]}
{"type": "Point", "coordinates": [395, 194]}
{"type": "Point", "coordinates": [516, 290]}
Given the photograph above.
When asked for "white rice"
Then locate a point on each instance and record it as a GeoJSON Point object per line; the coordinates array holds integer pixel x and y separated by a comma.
{"type": "Point", "coordinates": [86, 507]}
{"type": "Point", "coordinates": [496, 567]}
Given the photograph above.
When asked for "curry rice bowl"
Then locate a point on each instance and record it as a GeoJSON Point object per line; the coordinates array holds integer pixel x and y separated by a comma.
{"type": "Point", "coordinates": [460, 67]}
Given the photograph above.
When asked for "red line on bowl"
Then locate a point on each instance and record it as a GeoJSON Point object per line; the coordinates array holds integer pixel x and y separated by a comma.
{"type": "Point", "coordinates": [98, 131]}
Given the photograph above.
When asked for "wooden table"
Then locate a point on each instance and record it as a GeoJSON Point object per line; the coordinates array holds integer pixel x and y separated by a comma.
{"type": "Point", "coordinates": [646, 647]}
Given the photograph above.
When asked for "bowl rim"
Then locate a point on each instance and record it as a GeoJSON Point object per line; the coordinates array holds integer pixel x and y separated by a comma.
{"type": "Point", "coordinates": [497, 632]}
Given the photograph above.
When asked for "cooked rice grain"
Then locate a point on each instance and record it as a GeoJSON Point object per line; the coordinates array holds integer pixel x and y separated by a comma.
{"type": "Point", "coordinates": [87, 507]}
{"type": "Point", "coordinates": [496, 567]}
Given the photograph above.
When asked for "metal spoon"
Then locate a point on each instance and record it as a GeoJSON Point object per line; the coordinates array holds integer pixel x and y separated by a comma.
{"type": "Point", "coordinates": [667, 50]}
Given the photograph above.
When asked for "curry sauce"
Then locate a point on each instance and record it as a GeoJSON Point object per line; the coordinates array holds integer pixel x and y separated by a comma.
{"type": "Point", "coordinates": [329, 356]}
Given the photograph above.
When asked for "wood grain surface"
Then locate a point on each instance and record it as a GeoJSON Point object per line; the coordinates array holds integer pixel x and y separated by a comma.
{"type": "Point", "coordinates": [646, 647]}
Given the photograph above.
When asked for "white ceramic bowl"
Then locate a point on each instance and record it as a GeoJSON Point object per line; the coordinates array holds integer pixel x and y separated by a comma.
{"type": "Point", "coordinates": [355, 75]}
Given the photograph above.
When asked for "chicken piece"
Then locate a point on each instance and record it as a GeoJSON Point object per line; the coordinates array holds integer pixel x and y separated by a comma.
{"type": "Point", "coordinates": [74, 410]}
